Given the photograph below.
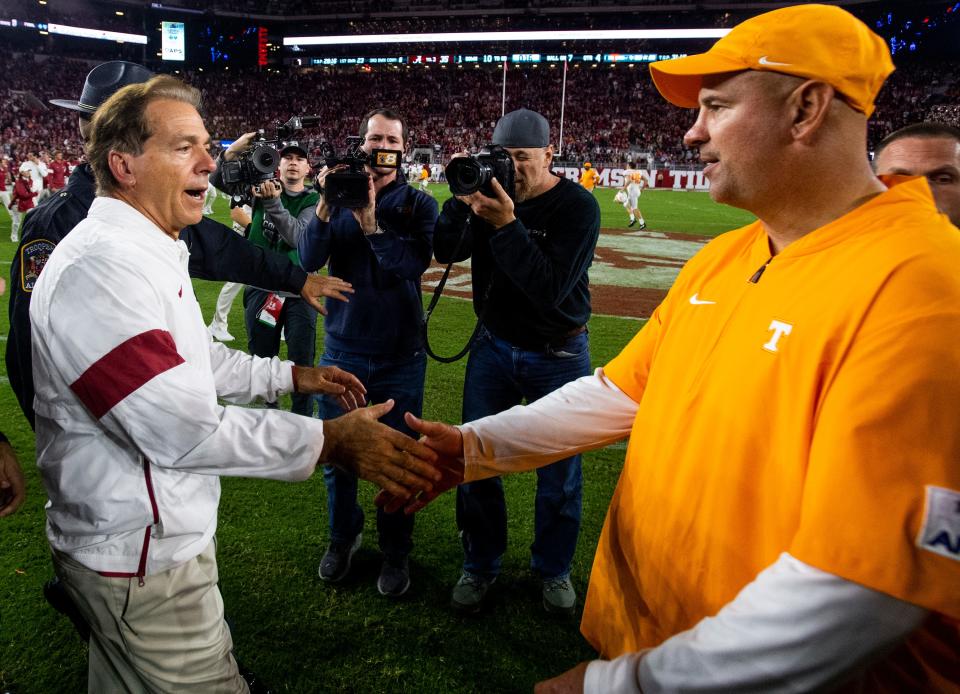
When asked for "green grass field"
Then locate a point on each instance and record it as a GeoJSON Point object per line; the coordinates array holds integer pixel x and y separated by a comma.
{"type": "Point", "coordinates": [301, 635]}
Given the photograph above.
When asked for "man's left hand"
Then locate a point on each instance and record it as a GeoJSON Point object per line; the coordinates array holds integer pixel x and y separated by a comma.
{"type": "Point", "coordinates": [497, 211]}
{"type": "Point", "coordinates": [367, 216]}
{"type": "Point", "coordinates": [268, 190]}
{"type": "Point", "coordinates": [318, 286]}
{"type": "Point", "coordinates": [13, 489]}
{"type": "Point", "coordinates": [570, 682]}
{"type": "Point", "coordinates": [331, 380]}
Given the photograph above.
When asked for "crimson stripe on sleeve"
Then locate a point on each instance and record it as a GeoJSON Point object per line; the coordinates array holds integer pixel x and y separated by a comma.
{"type": "Point", "coordinates": [124, 369]}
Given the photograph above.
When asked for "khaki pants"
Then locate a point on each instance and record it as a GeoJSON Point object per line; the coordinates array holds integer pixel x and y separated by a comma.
{"type": "Point", "coordinates": [167, 635]}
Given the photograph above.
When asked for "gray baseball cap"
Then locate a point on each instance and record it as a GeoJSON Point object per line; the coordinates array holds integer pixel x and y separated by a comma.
{"type": "Point", "coordinates": [102, 82]}
{"type": "Point", "coordinates": [522, 128]}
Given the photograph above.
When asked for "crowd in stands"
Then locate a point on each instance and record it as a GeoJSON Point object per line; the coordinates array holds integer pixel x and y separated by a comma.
{"type": "Point", "coordinates": [610, 114]}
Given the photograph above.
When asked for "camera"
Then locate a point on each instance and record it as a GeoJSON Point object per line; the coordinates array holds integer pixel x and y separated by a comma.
{"type": "Point", "coordinates": [259, 163]}
{"type": "Point", "coordinates": [253, 166]}
{"type": "Point", "coordinates": [350, 188]}
{"type": "Point", "coordinates": [467, 175]}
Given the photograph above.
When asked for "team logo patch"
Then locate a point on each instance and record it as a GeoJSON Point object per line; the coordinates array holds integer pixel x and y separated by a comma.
{"type": "Point", "coordinates": [941, 525]}
{"type": "Point", "coordinates": [33, 256]}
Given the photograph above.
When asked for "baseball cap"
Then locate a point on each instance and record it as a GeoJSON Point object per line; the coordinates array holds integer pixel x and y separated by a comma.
{"type": "Point", "coordinates": [819, 42]}
{"type": "Point", "coordinates": [102, 82]}
{"type": "Point", "coordinates": [522, 128]}
{"type": "Point", "coordinates": [293, 146]}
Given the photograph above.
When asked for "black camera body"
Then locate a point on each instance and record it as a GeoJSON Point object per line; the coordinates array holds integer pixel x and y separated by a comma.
{"type": "Point", "coordinates": [259, 163]}
{"type": "Point", "coordinates": [467, 175]}
{"type": "Point", "coordinates": [252, 167]}
{"type": "Point", "coordinates": [350, 188]}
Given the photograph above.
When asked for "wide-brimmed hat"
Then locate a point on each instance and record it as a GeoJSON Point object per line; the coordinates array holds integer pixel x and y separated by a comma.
{"type": "Point", "coordinates": [102, 82]}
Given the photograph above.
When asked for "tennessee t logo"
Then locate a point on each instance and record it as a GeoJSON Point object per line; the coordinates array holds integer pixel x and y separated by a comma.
{"type": "Point", "coordinates": [779, 329]}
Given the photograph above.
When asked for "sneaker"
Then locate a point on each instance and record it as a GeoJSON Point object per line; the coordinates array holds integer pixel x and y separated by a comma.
{"type": "Point", "coordinates": [394, 579]}
{"type": "Point", "coordinates": [468, 594]}
{"type": "Point", "coordinates": [219, 332]}
{"type": "Point", "coordinates": [559, 597]}
{"type": "Point", "coordinates": [643, 225]}
{"type": "Point", "coordinates": [335, 564]}
{"type": "Point", "coordinates": [632, 222]}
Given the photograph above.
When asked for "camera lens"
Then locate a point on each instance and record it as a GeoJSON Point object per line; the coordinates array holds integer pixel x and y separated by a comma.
{"type": "Point", "coordinates": [265, 159]}
{"type": "Point", "coordinates": [465, 175]}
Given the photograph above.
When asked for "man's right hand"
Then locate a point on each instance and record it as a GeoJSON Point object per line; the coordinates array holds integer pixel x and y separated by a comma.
{"type": "Point", "coordinates": [445, 440]}
{"type": "Point", "coordinates": [318, 286]}
{"type": "Point", "coordinates": [373, 451]}
{"type": "Point", "coordinates": [241, 144]}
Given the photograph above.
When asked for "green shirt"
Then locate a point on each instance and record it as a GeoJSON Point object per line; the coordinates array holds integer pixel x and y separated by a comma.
{"type": "Point", "coordinates": [292, 203]}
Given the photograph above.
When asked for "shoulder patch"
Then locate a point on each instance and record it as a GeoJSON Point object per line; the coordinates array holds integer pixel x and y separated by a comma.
{"type": "Point", "coordinates": [33, 256]}
{"type": "Point", "coordinates": [940, 533]}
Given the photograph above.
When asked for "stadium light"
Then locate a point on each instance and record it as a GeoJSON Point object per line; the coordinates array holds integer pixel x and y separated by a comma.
{"type": "Point", "coordinates": [488, 36]}
{"type": "Point", "coordinates": [96, 34]}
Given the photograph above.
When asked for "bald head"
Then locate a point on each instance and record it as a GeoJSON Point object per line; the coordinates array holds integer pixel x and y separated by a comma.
{"type": "Point", "coordinates": [926, 149]}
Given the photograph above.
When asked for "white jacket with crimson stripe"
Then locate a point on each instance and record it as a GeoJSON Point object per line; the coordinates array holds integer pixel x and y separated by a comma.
{"type": "Point", "coordinates": [131, 439]}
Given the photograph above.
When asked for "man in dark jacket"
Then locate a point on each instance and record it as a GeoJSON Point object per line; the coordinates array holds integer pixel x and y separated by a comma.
{"type": "Point", "coordinates": [383, 248]}
{"type": "Point", "coordinates": [216, 253]}
{"type": "Point", "coordinates": [529, 259]}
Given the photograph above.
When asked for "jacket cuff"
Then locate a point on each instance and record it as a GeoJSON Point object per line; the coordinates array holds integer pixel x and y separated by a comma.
{"type": "Point", "coordinates": [617, 676]}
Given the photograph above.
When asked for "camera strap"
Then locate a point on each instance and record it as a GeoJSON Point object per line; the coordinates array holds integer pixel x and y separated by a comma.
{"type": "Point", "coordinates": [433, 304]}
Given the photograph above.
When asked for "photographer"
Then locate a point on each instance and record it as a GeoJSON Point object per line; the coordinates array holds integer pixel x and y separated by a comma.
{"type": "Point", "coordinates": [281, 210]}
{"type": "Point", "coordinates": [382, 248]}
{"type": "Point", "coordinates": [529, 260]}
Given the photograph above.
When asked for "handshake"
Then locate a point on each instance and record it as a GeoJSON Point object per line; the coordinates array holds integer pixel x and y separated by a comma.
{"type": "Point", "coordinates": [410, 473]}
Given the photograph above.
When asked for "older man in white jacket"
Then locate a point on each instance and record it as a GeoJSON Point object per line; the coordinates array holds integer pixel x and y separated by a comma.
{"type": "Point", "coordinates": [131, 438]}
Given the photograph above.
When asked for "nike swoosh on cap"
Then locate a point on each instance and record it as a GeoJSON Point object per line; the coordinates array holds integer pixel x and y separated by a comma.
{"type": "Point", "coordinates": [699, 302]}
{"type": "Point", "coordinates": [770, 63]}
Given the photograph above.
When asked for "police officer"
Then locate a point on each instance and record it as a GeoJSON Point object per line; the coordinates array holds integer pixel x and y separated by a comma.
{"type": "Point", "coordinates": [216, 253]}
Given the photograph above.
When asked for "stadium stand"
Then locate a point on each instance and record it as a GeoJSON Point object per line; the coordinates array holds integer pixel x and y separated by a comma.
{"type": "Point", "coordinates": [609, 112]}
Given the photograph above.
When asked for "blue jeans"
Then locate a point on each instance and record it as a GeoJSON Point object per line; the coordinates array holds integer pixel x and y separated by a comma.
{"type": "Point", "coordinates": [298, 320]}
{"type": "Point", "coordinates": [499, 376]}
{"type": "Point", "coordinates": [400, 378]}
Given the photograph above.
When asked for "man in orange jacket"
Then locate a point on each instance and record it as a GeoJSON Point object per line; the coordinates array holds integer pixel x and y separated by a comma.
{"type": "Point", "coordinates": [788, 515]}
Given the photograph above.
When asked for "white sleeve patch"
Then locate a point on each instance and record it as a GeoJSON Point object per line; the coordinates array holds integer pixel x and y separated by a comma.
{"type": "Point", "coordinates": [941, 525]}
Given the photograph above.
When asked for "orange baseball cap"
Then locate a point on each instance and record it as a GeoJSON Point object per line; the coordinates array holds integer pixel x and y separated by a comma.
{"type": "Point", "coordinates": [818, 42]}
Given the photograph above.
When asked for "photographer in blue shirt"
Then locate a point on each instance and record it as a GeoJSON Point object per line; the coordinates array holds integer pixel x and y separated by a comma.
{"type": "Point", "coordinates": [382, 249]}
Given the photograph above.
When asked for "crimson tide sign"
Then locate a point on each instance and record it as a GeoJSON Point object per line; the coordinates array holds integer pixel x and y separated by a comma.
{"type": "Point", "coordinates": [675, 179]}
